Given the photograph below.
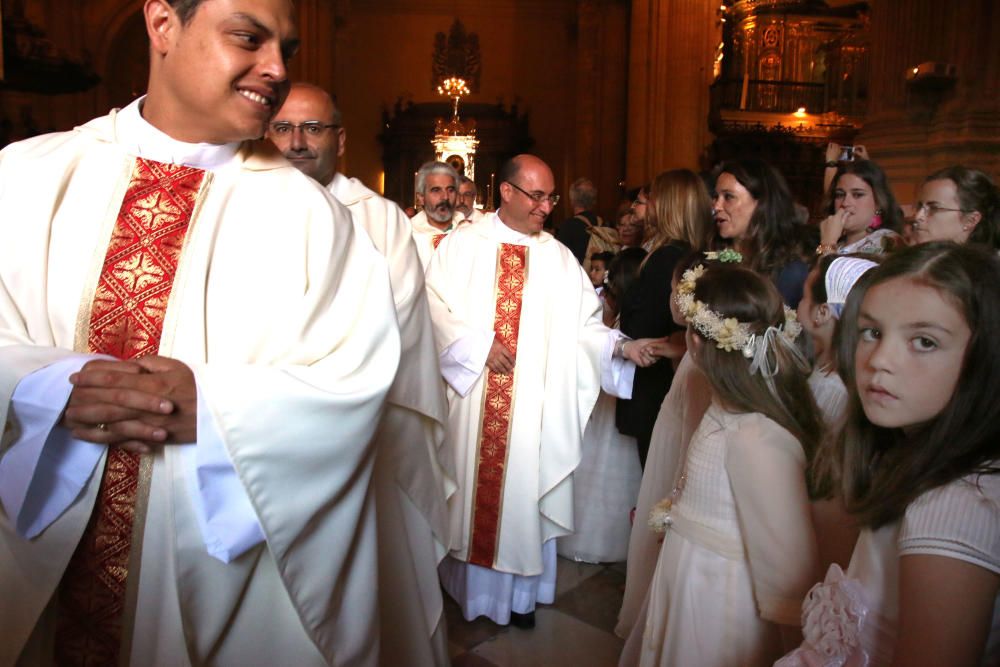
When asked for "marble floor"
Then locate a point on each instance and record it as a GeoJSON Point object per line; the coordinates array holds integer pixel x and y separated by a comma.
{"type": "Point", "coordinates": [576, 630]}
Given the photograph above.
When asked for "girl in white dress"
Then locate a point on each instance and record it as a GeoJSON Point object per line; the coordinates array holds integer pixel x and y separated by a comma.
{"type": "Point", "coordinates": [918, 465]}
{"type": "Point", "coordinates": [679, 416]}
{"type": "Point", "coordinates": [606, 482]}
{"type": "Point", "coordinates": [739, 552]}
{"type": "Point", "coordinates": [826, 289]}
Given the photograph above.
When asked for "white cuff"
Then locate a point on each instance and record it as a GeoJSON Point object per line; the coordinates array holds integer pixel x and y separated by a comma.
{"type": "Point", "coordinates": [227, 519]}
{"type": "Point", "coordinates": [616, 374]}
{"type": "Point", "coordinates": [46, 468]}
{"type": "Point", "coordinates": [463, 361]}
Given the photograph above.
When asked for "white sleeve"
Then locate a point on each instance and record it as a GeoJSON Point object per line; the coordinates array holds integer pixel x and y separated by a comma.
{"type": "Point", "coordinates": [617, 375]}
{"type": "Point", "coordinates": [227, 519]}
{"type": "Point", "coordinates": [959, 520]}
{"type": "Point", "coordinates": [45, 468]}
{"type": "Point", "coordinates": [463, 361]}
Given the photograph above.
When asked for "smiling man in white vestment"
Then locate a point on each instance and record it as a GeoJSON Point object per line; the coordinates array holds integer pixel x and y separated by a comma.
{"type": "Point", "coordinates": [196, 342]}
{"type": "Point", "coordinates": [411, 486]}
{"type": "Point", "coordinates": [524, 352]}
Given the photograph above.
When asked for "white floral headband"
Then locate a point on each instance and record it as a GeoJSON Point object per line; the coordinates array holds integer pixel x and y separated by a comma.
{"type": "Point", "coordinates": [729, 333]}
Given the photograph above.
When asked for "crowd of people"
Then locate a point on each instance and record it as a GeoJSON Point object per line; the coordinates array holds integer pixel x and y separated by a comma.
{"type": "Point", "coordinates": [256, 413]}
{"type": "Point", "coordinates": [821, 468]}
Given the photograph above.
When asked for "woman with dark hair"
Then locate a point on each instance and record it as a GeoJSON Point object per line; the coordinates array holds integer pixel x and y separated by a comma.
{"type": "Point", "coordinates": [755, 214]}
{"type": "Point", "coordinates": [678, 215]}
{"type": "Point", "coordinates": [958, 204]}
{"type": "Point", "coordinates": [862, 214]}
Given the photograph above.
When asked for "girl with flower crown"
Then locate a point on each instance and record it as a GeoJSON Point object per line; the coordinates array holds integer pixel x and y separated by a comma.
{"type": "Point", "coordinates": [679, 416]}
{"type": "Point", "coordinates": [918, 466]}
{"type": "Point", "coordinates": [739, 551]}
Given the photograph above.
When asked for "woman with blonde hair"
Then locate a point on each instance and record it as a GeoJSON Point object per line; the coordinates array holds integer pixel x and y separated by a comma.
{"type": "Point", "coordinates": [679, 215]}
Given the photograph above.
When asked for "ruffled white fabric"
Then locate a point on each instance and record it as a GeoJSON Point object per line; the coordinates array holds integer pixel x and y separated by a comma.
{"type": "Point", "coordinates": [834, 616]}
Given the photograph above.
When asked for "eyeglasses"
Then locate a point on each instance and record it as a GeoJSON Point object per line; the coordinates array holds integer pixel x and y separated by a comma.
{"type": "Point", "coordinates": [537, 197]}
{"type": "Point", "coordinates": [934, 209]}
{"type": "Point", "coordinates": [313, 128]}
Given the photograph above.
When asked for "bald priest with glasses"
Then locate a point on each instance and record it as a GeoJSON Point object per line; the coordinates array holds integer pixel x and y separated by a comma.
{"type": "Point", "coordinates": [524, 354]}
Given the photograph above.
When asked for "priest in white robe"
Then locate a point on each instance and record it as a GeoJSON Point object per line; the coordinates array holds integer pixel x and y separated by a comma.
{"type": "Point", "coordinates": [148, 301]}
{"type": "Point", "coordinates": [524, 352]}
{"type": "Point", "coordinates": [411, 481]}
{"type": "Point", "coordinates": [437, 192]}
{"type": "Point", "coordinates": [468, 194]}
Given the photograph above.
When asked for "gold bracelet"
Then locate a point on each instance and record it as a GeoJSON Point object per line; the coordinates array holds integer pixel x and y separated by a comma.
{"type": "Point", "coordinates": [822, 247]}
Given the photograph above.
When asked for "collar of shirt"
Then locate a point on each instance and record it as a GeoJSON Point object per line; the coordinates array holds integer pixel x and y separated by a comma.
{"type": "Point", "coordinates": [338, 187]}
{"type": "Point", "coordinates": [142, 139]}
{"type": "Point", "coordinates": [507, 234]}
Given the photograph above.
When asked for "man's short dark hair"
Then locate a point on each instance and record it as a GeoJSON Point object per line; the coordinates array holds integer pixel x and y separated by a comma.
{"type": "Point", "coordinates": [509, 171]}
{"type": "Point", "coordinates": [185, 9]}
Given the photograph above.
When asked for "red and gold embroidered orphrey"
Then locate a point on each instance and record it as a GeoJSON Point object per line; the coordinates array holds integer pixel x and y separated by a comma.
{"type": "Point", "coordinates": [498, 406]}
{"type": "Point", "coordinates": [126, 321]}
{"type": "Point", "coordinates": [436, 240]}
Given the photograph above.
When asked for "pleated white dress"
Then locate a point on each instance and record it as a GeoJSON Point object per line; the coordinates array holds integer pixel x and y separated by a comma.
{"type": "Point", "coordinates": [605, 487]}
{"type": "Point", "coordinates": [740, 554]}
{"type": "Point", "coordinates": [679, 416]}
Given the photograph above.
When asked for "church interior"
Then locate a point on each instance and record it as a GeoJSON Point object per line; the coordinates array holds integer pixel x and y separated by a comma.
{"type": "Point", "coordinates": [613, 90]}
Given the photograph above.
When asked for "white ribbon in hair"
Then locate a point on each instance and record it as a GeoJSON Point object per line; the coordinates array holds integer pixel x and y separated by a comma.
{"type": "Point", "coordinates": [841, 275]}
{"type": "Point", "coordinates": [757, 348]}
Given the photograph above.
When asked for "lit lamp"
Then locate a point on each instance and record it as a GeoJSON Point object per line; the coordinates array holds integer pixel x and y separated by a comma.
{"type": "Point", "coordinates": [455, 142]}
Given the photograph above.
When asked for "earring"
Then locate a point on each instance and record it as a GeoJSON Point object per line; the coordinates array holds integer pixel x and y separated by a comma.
{"type": "Point", "coordinates": [876, 220]}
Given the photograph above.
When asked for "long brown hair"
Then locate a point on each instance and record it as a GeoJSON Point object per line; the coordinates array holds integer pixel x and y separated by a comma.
{"type": "Point", "coordinates": [736, 291]}
{"type": "Point", "coordinates": [680, 209]}
{"type": "Point", "coordinates": [872, 174]}
{"type": "Point", "coordinates": [773, 237]}
{"type": "Point", "coordinates": [880, 471]}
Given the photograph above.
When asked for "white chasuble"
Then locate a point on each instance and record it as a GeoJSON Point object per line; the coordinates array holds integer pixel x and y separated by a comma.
{"type": "Point", "coordinates": [516, 439]}
{"type": "Point", "coordinates": [412, 481]}
{"type": "Point", "coordinates": [282, 308]}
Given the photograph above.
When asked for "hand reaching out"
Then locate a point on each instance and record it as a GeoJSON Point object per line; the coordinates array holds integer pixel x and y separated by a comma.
{"type": "Point", "coordinates": [664, 348]}
{"type": "Point", "coordinates": [640, 351]}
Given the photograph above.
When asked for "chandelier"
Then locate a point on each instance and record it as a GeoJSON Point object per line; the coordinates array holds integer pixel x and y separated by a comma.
{"type": "Point", "coordinates": [454, 141]}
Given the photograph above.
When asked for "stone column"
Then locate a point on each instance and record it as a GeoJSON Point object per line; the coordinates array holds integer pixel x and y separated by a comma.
{"type": "Point", "coordinates": [670, 69]}
{"type": "Point", "coordinates": [597, 150]}
{"type": "Point", "coordinates": [316, 60]}
{"type": "Point", "coordinates": [914, 129]}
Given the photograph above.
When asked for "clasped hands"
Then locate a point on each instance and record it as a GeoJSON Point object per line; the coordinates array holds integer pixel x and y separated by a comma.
{"type": "Point", "coordinates": [641, 351]}
{"type": "Point", "coordinates": [135, 405]}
